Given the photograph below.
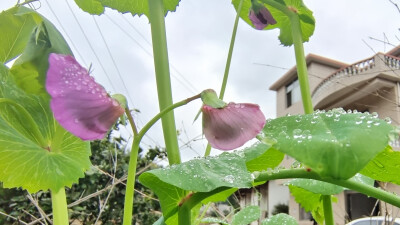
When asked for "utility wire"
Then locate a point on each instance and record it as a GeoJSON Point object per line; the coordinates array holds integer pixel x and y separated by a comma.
{"type": "Point", "coordinates": [90, 45]}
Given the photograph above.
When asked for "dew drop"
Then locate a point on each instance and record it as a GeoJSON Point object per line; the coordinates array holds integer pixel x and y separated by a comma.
{"type": "Point", "coordinates": [329, 114]}
{"type": "Point", "coordinates": [388, 120]}
{"type": "Point", "coordinates": [76, 120]}
{"type": "Point", "coordinates": [229, 179]}
{"type": "Point", "coordinates": [297, 133]}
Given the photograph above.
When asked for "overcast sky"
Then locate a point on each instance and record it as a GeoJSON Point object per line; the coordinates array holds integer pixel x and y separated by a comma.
{"type": "Point", "coordinates": [198, 35]}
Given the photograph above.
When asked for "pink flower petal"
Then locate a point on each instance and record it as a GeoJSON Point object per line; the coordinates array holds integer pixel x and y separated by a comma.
{"type": "Point", "coordinates": [79, 104]}
{"type": "Point", "coordinates": [232, 126]}
{"type": "Point", "coordinates": [261, 19]}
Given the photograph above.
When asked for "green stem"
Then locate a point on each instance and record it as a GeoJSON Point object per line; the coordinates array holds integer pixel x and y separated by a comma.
{"type": "Point", "coordinates": [328, 212]}
{"type": "Point", "coordinates": [390, 198]}
{"type": "Point", "coordinates": [228, 63]}
{"type": "Point", "coordinates": [156, 17]}
{"type": "Point", "coordinates": [301, 64]}
{"type": "Point", "coordinates": [350, 184]}
{"type": "Point", "coordinates": [184, 215]}
{"type": "Point", "coordinates": [130, 184]}
{"type": "Point", "coordinates": [59, 204]}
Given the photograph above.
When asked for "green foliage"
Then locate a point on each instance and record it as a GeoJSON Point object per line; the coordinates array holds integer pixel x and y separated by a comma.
{"type": "Point", "coordinates": [135, 7]}
{"type": "Point", "coordinates": [334, 144]}
{"type": "Point", "coordinates": [15, 30]}
{"type": "Point", "coordinates": [246, 215]}
{"type": "Point", "coordinates": [34, 160]}
{"type": "Point", "coordinates": [384, 167]}
{"type": "Point", "coordinates": [316, 186]}
{"type": "Point", "coordinates": [30, 69]}
{"type": "Point", "coordinates": [280, 10]}
{"type": "Point", "coordinates": [146, 208]}
{"type": "Point", "coordinates": [261, 157]}
{"type": "Point", "coordinates": [311, 202]}
{"type": "Point", "coordinates": [280, 219]}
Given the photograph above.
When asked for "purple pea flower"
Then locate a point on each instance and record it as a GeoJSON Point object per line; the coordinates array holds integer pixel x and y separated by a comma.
{"type": "Point", "coordinates": [260, 16]}
{"type": "Point", "coordinates": [79, 104]}
{"type": "Point", "coordinates": [232, 126]}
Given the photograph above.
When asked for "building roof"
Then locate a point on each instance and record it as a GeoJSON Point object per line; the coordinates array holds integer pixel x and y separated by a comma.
{"type": "Point", "coordinates": [394, 52]}
{"type": "Point", "coordinates": [310, 58]}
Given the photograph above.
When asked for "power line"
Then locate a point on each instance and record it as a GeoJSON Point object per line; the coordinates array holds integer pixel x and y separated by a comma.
{"type": "Point", "coordinates": [90, 45]}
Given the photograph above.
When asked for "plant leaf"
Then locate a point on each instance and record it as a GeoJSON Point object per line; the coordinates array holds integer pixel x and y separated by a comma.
{"type": "Point", "coordinates": [15, 32]}
{"type": "Point", "coordinates": [213, 220]}
{"type": "Point", "coordinates": [204, 175]}
{"type": "Point", "coordinates": [135, 7]}
{"type": "Point", "coordinates": [93, 7]}
{"type": "Point", "coordinates": [31, 67]}
{"type": "Point", "coordinates": [316, 186]}
{"type": "Point", "coordinates": [246, 215]}
{"type": "Point", "coordinates": [334, 144]}
{"type": "Point", "coordinates": [25, 160]}
{"type": "Point", "coordinates": [261, 156]}
{"type": "Point", "coordinates": [307, 21]}
{"type": "Point", "coordinates": [384, 167]}
{"type": "Point", "coordinates": [279, 219]}
{"type": "Point", "coordinates": [311, 202]}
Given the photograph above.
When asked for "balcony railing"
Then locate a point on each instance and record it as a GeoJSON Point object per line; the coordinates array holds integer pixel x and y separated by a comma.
{"type": "Point", "coordinates": [348, 71]}
{"type": "Point", "coordinates": [392, 62]}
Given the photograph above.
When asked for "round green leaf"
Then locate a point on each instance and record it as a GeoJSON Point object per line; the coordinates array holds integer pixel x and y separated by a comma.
{"type": "Point", "coordinates": [307, 21]}
{"type": "Point", "coordinates": [48, 159]}
{"type": "Point", "coordinates": [279, 219]}
{"type": "Point", "coordinates": [334, 144]}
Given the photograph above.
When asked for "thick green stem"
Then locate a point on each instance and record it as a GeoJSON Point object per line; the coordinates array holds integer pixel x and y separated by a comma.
{"type": "Point", "coordinates": [228, 63]}
{"type": "Point", "coordinates": [350, 184]}
{"type": "Point", "coordinates": [156, 17]}
{"type": "Point", "coordinates": [328, 212]}
{"type": "Point", "coordinates": [59, 204]}
{"type": "Point", "coordinates": [130, 184]}
{"type": "Point", "coordinates": [184, 215]}
{"type": "Point", "coordinates": [301, 64]}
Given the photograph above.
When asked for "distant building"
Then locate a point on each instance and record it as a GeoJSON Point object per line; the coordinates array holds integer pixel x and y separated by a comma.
{"type": "Point", "coordinates": [370, 85]}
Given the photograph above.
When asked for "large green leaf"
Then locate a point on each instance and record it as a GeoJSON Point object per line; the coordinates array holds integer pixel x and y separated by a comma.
{"type": "Point", "coordinates": [280, 219]}
{"type": "Point", "coordinates": [307, 21]}
{"type": "Point", "coordinates": [246, 215]}
{"type": "Point", "coordinates": [334, 144]}
{"type": "Point", "coordinates": [31, 67]}
{"type": "Point", "coordinates": [261, 156]}
{"type": "Point", "coordinates": [47, 158]}
{"type": "Point", "coordinates": [199, 175]}
{"type": "Point", "coordinates": [203, 175]}
{"type": "Point", "coordinates": [15, 32]}
{"type": "Point", "coordinates": [384, 167]}
{"type": "Point", "coordinates": [135, 7]}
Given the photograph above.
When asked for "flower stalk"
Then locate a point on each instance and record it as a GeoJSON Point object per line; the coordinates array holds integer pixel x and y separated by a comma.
{"type": "Point", "coordinates": [130, 184]}
{"type": "Point", "coordinates": [228, 63]}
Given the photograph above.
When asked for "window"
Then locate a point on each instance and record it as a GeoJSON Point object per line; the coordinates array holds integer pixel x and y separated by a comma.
{"type": "Point", "coordinates": [293, 94]}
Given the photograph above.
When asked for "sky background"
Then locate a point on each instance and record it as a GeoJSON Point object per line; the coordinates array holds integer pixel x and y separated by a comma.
{"type": "Point", "coordinates": [119, 48]}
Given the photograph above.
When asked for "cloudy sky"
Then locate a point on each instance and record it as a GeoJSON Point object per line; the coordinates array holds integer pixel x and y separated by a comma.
{"type": "Point", "coordinates": [119, 48]}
